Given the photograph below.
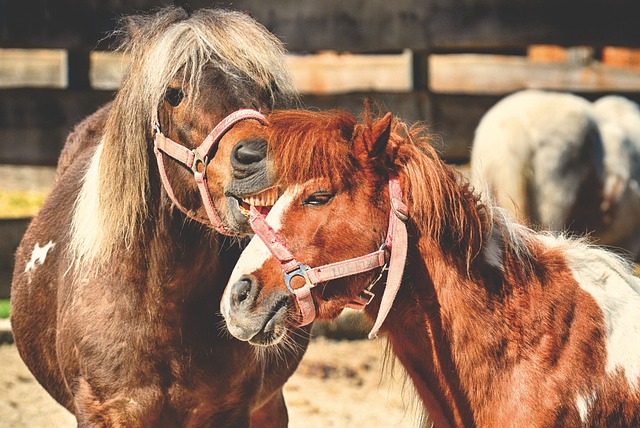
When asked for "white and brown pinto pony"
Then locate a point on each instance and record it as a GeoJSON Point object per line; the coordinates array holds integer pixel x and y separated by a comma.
{"type": "Point", "coordinates": [117, 281]}
{"type": "Point", "coordinates": [497, 325]}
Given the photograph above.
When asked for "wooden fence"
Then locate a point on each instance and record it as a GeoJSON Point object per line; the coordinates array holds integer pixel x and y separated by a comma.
{"type": "Point", "coordinates": [441, 61]}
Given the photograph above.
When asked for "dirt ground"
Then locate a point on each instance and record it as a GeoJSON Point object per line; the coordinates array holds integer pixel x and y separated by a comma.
{"type": "Point", "coordinates": [338, 384]}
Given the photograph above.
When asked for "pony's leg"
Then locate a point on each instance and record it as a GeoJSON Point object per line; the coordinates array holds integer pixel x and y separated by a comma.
{"type": "Point", "coordinates": [130, 409]}
{"type": "Point", "coordinates": [273, 413]}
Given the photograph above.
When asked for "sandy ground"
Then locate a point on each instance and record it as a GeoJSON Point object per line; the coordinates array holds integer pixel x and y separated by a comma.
{"type": "Point", "coordinates": [338, 384]}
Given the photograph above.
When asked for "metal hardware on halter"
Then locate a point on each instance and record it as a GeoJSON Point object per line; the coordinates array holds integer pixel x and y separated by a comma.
{"type": "Point", "coordinates": [301, 270]}
{"type": "Point", "coordinates": [367, 294]}
{"type": "Point", "coordinates": [198, 160]}
{"type": "Point", "coordinates": [367, 291]}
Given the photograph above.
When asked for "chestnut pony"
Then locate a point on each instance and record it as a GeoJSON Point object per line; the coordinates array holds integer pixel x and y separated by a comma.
{"type": "Point", "coordinates": [118, 278]}
{"type": "Point", "coordinates": [497, 325]}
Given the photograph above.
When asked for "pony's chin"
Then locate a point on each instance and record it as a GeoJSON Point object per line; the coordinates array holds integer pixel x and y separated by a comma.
{"type": "Point", "coordinates": [269, 339]}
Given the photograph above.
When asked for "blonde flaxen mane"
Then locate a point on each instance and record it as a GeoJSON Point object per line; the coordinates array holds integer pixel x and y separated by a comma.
{"type": "Point", "coordinates": [169, 45]}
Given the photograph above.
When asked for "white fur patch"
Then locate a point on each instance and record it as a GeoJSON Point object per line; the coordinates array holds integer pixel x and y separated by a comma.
{"type": "Point", "coordinates": [38, 256]}
{"type": "Point", "coordinates": [617, 292]}
{"type": "Point", "coordinates": [256, 253]}
{"type": "Point", "coordinates": [493, 250]}
{"type": "Point", "coordinates": [86, 231]}
{"type": "Point", "coordinates": [583, 402]}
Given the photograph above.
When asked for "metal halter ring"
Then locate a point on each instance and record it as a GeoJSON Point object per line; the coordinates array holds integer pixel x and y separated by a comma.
{"type": "Point", "coordinates": [197, 160]}
{"type": "Point", "coordinates": [300, 271]}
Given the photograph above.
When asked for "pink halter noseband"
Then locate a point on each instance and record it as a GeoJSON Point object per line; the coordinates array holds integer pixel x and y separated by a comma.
{"type": "Point", "coordinates": [396, 241]}
{"type": "Point", "coordinates": [197, 160]}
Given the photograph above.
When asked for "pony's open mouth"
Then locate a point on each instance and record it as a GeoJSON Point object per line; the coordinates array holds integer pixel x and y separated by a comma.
{"type": "Point", "coordinates": [262, 201]}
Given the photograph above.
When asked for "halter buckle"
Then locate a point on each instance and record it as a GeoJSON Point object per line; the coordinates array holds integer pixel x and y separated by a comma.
{"type": "Point", "coordinates": [301, 270]}
{"type": "Point", "coordinates": [367, 293]}
{"type": "Point", "coordinates": [197, 160]}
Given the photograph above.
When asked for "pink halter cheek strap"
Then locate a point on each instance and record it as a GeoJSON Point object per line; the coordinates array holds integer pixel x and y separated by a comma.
{"type": "Point", "coordinates": [396, 241]}
{"type": "Point", "coordinates": [290, 266]}
{"type": "Point", "coordinates": [197, 160]}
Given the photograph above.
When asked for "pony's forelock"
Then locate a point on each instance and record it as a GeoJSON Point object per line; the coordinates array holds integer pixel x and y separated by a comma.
{"type": "Point", "coordinates": [301, 153]}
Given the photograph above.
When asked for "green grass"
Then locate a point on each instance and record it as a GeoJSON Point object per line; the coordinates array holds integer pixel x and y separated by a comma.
{"type": "Point", "coordinates": [4, 308]}
{"type": "Point", "coordinates": [16, 203]}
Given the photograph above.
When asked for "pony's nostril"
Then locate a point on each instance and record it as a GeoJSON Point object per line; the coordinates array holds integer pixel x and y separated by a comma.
{"type": "Point", "coordinates": [249, 152]}
{"type": "Point", "coordinates": [241, 290]}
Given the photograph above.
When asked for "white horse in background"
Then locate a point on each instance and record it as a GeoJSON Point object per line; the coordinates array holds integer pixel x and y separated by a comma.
{"type": "Point", "coordinates": [560, 162]}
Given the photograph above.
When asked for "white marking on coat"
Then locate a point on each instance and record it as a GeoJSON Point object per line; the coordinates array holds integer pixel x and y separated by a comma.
{"type": "Point", "coordinates": [617, 293]}
{"type": "Point", "coordinates": [38, 255]}
{"type": "Point", "coordinates": [583, 402]}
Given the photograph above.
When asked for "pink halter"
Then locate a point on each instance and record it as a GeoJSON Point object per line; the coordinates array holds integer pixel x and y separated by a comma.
{"type": "Point", "coordinates": [396, 241]}
{"type": "Point", "coordinates": [197, 160]}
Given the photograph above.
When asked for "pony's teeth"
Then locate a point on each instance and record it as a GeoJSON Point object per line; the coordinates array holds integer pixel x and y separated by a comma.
{"type": "Point", "coordinates": [265, 198]}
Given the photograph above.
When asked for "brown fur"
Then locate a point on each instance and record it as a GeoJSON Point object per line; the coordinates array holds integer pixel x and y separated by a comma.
{"type": "Point", "coordinates": [486, 345]}
{"type": "Point", "coordinates": [127, 333]}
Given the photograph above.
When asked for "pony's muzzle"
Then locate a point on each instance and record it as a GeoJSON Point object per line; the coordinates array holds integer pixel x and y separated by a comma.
{"type": "Point", "coordinates": [250, 316]}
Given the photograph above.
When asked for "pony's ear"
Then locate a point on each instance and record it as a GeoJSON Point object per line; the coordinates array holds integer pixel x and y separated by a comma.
{"type": "Point", "coordinates": [372, 139]}
{"type": "Point", "coordinates": [380, 132]}
{"type": "Point", "coordinates": [132, 27]}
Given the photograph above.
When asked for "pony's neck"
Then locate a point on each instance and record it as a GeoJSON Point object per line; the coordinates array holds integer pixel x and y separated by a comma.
{"type": "Point", "coordinates": [440, 318]}
{"type": "Point", "coordinates": [417, 330]}
{"type": "Point", "coordinates": [451, 326]}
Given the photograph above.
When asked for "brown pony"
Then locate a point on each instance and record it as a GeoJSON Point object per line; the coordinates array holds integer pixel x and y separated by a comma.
{"type": "Point", "coordinates": [496, 325]}
{"type": "Point", "coordinates": [115, 291]}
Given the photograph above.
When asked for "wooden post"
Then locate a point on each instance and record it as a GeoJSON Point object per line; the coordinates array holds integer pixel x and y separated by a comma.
{"type": "Point", "coordinates": [78, 64]}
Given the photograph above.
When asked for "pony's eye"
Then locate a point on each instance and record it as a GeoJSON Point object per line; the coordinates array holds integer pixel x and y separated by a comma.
{"type": "Point", "coordinates": [321, 197]}
{"type": "Point", "coordinates": [174, 96]}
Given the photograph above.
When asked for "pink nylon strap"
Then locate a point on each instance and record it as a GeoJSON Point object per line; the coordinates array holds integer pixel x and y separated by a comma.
{"type": "Point", "coordinates": [173, 149]}
{"type": "Point", "coordinates": [347, 267]}
{"type": "Point", "coordinates": [276, 245]}
{"type": "Point", "coordinates": [396, 240]}
{"type": "Point", "coordinates": [191, 158]}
